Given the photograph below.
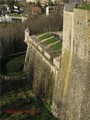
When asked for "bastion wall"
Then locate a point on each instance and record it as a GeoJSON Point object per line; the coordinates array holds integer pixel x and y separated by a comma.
{"type": "Point", "coordinates": [72, 98]}
{"type": "Point", "coordinates": [64, 83]}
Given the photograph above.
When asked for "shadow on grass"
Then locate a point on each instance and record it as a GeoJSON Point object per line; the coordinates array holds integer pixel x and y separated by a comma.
{"type": "Point", "coordinates": [15, 85]}
{"type": "Point", "coordinates": [4, 61]}
{"type": "Point", "coordinates": [20, 104]}
{"type": "Point", "coordinates": [24, 105]}
{"type": "Point", "coordinates": [3, 66]}
{"type": "Point", "coordinates": [16, 96]}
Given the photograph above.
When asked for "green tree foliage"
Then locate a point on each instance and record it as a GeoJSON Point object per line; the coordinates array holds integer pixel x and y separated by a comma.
{"type": "Point", "coordinates": [2, 2]}
{"type": "Point", "coordinates": [10, 3]}
{"type": "Point", "coordinates": [16, 3]}
{"type": "Point", "coordinates": [50, 3]}
{"type": "Point", "coordinates": [38, 4]}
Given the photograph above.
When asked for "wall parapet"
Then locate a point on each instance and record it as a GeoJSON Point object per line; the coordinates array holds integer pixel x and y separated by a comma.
{"type": "Point", "coordinates": [32, 40]}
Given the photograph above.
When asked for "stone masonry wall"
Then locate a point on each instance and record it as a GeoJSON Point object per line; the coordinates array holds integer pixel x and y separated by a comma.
{"type": "Point", "coordinates": [62, 83]}
{"type": "Point", "coordinates": [80, 91]}
{"type": "Point", "coordinates": [72, 101]}
{"type": "Point", "coordinates": [68, 89]}
{"type": "Point", "coordinates": [41, 72]}
{"type": "Point", "coordinates": [67, 30]}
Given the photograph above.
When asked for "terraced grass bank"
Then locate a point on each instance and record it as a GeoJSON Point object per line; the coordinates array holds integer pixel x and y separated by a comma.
{"type": "Point", "coordinates": [42, 36]}
{"type": "Point", "coordinates": [57, 46]}
{"type": "Point", "coordinates": [50, 39]}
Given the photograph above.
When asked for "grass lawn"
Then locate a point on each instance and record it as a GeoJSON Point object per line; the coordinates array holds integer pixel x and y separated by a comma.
{"type": "Point", "coordinates": [14, 64]}
{"type": "Point", "coordinates": [52, 40]}
{"type": "Point", "coordinates": [85, 7]}
{"type": "Point", "coordinates": [18, 95]}
{"type": "Point", "coordinates": [57, 46]}
{"type": "Point", "coordinates": [45, 36]}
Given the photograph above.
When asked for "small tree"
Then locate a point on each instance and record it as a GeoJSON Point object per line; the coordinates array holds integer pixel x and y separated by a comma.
{"type": "Point", "coordinates": [38, 4]}
{"type": "Point", "coordinates": [16, 3]}
{"type": "Point", "coordinates": [10, 3]}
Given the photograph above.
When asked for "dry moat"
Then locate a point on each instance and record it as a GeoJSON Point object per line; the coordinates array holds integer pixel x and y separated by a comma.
{"type": "Point", "coordinates": [18, 101]}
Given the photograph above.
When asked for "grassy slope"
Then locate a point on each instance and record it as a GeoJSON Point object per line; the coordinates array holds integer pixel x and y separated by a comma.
{"type": "Point", "coordinates": [45, 36]}
{"type": "Point", "coordinates": [18, 95]}
{"type": "Point", "coordinates": [57, 46]}
{"type": "Point", "coordinates": [14, 64]}
{"type": "Point", "coordinates": [52, 40]}
{"type": "Point", "coordinates": [85, 7]}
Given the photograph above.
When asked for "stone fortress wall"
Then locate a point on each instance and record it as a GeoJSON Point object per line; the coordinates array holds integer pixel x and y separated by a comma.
{"type": "Point", "coordinates": [42, 68]}
{"type": "Point", "coordinates": [64, 82]}
{"type": "Point", "coordinates": [72, 98]}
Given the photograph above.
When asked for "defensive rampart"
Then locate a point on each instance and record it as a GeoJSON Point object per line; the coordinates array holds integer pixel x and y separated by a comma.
{"type": "Point", "coordinates": [64, 78]}
{"type": "Point", "coordinates": [71, 100]}
{"type": "Point", "coordinates": [41, 66]}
